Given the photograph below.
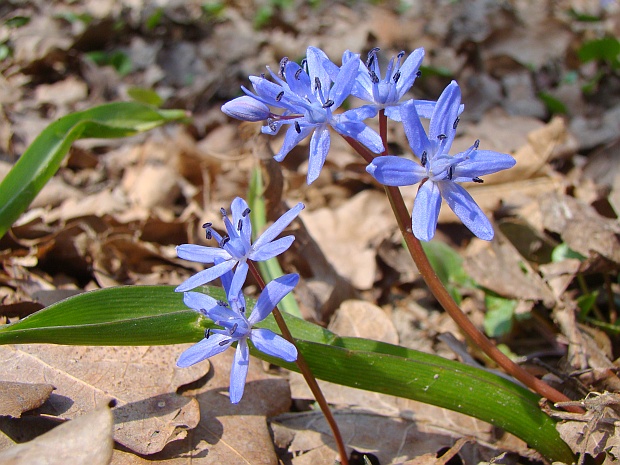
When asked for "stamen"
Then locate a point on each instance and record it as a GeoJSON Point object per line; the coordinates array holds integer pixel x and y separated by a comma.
{"type": "Point", "coordinates": [262, 75]}
{"type": "Point", "coordinates": [297, 127]}
{"type": "Point", "coordinates": [297, 73]}
{"type": "Point", "coordinates": [396, 77]}
{"type": "Point", "coordinates": [246, 212]}
{"type": "Point", "coordinates": [207, 225]}
{"type": "Point", "coordinates": [223, 343]}
{"type": "Point", "coordinates": [450, 173]}
{"type": "Point", "coordinates": [233, 329]}
{"type": "Point", "coordinates": [401, 54]}
{"type": "Point", "coordinates": [208, 235]}
{"type": "Point", "coordinates": [239, 225]}
{"type": "Point", "coordinates": [224, 241]}
{"type": "Point", "coordinates": [456, 122]}
{"type": "Point", "coordinates": [242, 309]}
{"type": "Point", "coordinates": [373, 76]}
{"type": "Point", "coordinates": [328, 104]}
{"type": "Point", "coordinates": [442, 137]}
{"type": "Point", "coordinates": [222, 303]}
{"type": "Point", "coordinates": [476, 144]}
{"type": "Point", "coordinates": [317, 84]}
{"type": "Point", "coordinates": [272, 124]}
{"type": "Point", "coordinates": [478, 180]}
{"type": "Point", "coordinates": [418, 74]}
{"type": "Point", "coordinates": [424, 159]}
{"type": "Point", "coordinates": [279, 96]}
{"type": "Point", "coordinates": [207, 333]}
{"type": "Point", "coordinates": [283, 63]}
{"type": "Point", "coordinates": [223, 211]}
{"type": "Point", "coordinates": [371, 57]}
{"type": "Point", "coordinates": [303, 63]}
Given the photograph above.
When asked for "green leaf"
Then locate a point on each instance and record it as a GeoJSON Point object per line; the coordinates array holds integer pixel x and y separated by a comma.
{"type": "Point", "coordinates": [146, 96]}
{"type": "Point", "coordinates": [156, 315]}
{"type": "Point", "coordinates": [554, 106]}
{"type": "Point", "coordinates": [563, 251]}
{"type": "Point", "coordinates": [43, 157]}
{"type": "Point", "coordinates": [604, 49]}
{"type": "Point", "coordinates": [448, 265]}
{"type": "Point", "coordinates": [499, 318]}
{"type": "Point", "coordinates": [154, 19]}
{"type": "Point", "coordinates": [17, 21]}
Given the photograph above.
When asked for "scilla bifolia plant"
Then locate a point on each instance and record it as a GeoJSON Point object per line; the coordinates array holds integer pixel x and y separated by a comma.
{"type": "Point", "coordinates": [304, 98]}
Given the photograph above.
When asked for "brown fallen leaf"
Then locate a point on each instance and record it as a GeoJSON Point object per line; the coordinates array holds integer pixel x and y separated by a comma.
{"type": "Point", "coordinates": [16, 398]}
{"type": "Point", "coordinates": [142, 380]}
{"type": "Point", "coordinates": [432, 459]}
{"type": "Point", "coordinates": [227, 433]}
{"type": "Point", "coordinates": [87, 440]}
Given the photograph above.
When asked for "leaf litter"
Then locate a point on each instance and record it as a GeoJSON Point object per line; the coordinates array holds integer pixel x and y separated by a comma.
{"type": "Point", "coordinates": [116, 209]}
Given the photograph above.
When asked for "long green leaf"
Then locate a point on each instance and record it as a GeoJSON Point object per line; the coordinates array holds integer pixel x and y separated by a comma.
{"type": "Point", "coordinates": [156, 315]}
{"type": "Point", "coordinates": [43, 157]}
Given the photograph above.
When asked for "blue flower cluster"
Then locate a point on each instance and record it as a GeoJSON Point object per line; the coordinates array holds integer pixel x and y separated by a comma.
{"type": "Point", "coordinates": [230, 265]}
{"type": "Point", "coordinates": [305, 98]}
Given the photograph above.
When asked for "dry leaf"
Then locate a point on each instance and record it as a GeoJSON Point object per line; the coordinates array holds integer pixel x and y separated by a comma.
{"type": "Point", "coordinates": [142, 380]}
{"type": "Point", "coordinates": [359, 318]}
{"type": "Point", "coordinates": [16, 398]}
{"type": "Point", "coordinates": [87, 440]}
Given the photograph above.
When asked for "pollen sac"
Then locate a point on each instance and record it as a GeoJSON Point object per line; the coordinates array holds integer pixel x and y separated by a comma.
{"type": "Point", "coordinates": [456, 122]}
{"type": "Point", "coordinates": [478, 180]}
{"type": "Point", "coordinates": [246, 212]}
{"type": "Point", "coordinates": [279, 96]}
{"type": "Point", "coordinates": [442, 137]}
{"type": "Point", "coordinates": [297, 127]}
{"type": "Point", "coordinates": [283, 63]}
{"type": "Point", "coordinates": [424, 159]}
{"type": "Point", "coordinates": [246, 108]}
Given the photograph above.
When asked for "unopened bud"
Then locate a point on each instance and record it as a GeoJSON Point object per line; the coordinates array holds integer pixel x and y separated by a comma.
{"type": "Point", "coordinates": [246, 108]}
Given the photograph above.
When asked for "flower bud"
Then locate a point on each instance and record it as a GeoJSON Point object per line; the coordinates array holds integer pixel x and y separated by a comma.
{"type": "Point", "coordinates": [246, 108]}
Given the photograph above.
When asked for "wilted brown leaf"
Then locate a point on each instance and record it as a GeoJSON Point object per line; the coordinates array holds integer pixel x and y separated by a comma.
{"type": "Point", "coordinates": [86, 440]}
{"type": "Point", "coordinates": [16, 398]}
{"type": "Point", "coordinates": [142, 380]}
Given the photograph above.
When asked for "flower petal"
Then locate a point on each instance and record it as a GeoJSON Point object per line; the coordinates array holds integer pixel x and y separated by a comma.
{"type": "Point", "coordinates": [239, 371]}
{"type": "Point", "coordinates": [318, 62]}
{"type": "Point", "coordinates": [206, 276]}
{"type": "Point", "coordinates": [272, 249]}
{"type": "Point", "coordinates": [344, 83]}
{"type": "Point", "coordinates": [319, 146]}
{"type": "Point", "coordinates": [203, 350]}
{"type": "Point", "coordinates": [291, 139]}
{"type": "Point", "coordinates": [238, 208]}
{"type": "Point", "coordinates": [426, 211]}
{"type": "Point", "coordinates": [200, 302]}
{"type": "Point", "coordinates": [271, 344]}
{"type": "Point", "coordinates": [390, 170]}
{"type": "Point", "coordinates": [409, 71]}
{"type": "Point", "coordinates": [238, 280]}
{"type": "Point", "coordinates": [418, 141]}
{"type": "Point", "coordinates": [200, 253]}
{"type": "Point", "coordinates": [271, 296]}
{"type": "Point", "coordinates": [466, 208]}
{"type": "Point", "coordinates": [358, 131]}
{"type": "Point", "coordinates": [482, 162]}
{"type": "Point", "coordinates": [277, 227]}
{"type": "Point", "coordinates": [443, 120]}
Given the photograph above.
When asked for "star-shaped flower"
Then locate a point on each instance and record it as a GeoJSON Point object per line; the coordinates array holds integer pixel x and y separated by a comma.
{"type": "Point", "coordinates": [439, 172]}
{"type": "Point", "coordinates": [239, 328]}
{"type": "Point", "coordinates": [309, 95]}
{"type": "Point", "coordinates": [236, 248]}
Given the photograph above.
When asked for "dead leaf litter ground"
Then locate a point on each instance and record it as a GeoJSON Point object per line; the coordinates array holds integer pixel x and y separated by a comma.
{"type": "Point", "coordinates": [546, 288]}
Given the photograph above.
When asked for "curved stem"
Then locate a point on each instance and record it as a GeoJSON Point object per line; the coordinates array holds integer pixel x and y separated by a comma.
{"type": "Point", "coordinates": [443, 296]}
{"type": "Point", "coordinates": [307, 373]}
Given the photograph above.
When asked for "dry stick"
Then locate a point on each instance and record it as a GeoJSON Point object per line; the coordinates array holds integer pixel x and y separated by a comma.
{"type": "Point", "coordinates": [439, 291]}
{"type": "Point", "coordinates": [307, 373]}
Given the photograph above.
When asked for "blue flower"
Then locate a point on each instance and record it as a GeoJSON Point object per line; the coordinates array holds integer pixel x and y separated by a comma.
{"type": "Point", "coordinates": [310, 96]}
{"type": "Point", "coordinates": [238, 328]}
{"type": "Point", "coordinates": [386, 93]}
{"type": "Point", "coordinates": [439, 172]}
{"type": "Point", "coordinates": [235, 248]}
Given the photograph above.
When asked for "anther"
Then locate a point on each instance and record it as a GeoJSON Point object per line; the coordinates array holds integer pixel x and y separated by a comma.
{"type": "Point", "coordinates": [272, 124]}
{"type": "Point", "coordinates": [297, 127]}
{"type": "Point", "coordinates": [442, 137]}
{"type": "Point", "coordinates": [373, 76]}
{"type": "Point", "coordinates": [456, 122]}
{"type": "Point", "coordinates": [207, 225]}
{"type": "Point", "coordinates": [328, 103]}
{"type": "Point", "coordinates": [477, 144]}
{"type": "Point", "coordinates": [279, 96]}
{"type": "Point", "coordinates": [317, 83]}
{"type": "Point", "coordinates": [303, 63]}
{"type": "Point", "coordinates": [224, 241]}
{"type": "Point", "coordinates": [401, 54]}
{"type": "Point", "coordinates": [372, 56]}
{"type": "Point", "coordinates": [246, 212]}
{"type": "Point", "coordinates": [242, 309]}
{"type": "Point", "coordinates": [478, 180]}
{"type": "Point", "coordinates": [208, 235]}
{"type": "Point", "coordinates": [283, 63]}
{"type": "Point", "coordinates": [262, 75]}
{"type": "Point", "coordinates": [222, 303]}
{"type": "Point", "coordinates": [298, 73]}
{"type": "Point", "coordinates": [233, 329]}
{"type": "Point", "coordinates": [223, 343]}
{"type": "Point", "coordinates": [207, 333]}
{"type": "Point", "coordinates": [223, 211]}
{"type": "Point", "coordinates": [450, 173]}
{"type": "Point", "coordinates": [424, 159]}
{"type": "Point", "coordinates": [239, 225]}
{"type": "Point", "coordinates": [396, 77]}
{"type": "Point", "coordinates": [418, 74]}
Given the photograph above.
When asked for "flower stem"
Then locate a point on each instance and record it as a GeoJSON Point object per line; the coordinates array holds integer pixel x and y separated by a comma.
{"type": "Point", "coordinates": [443, 296]}
{"type": "Point", "coordinates": [306, 372]}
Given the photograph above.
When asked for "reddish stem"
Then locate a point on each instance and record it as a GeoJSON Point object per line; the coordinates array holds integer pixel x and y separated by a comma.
{"type": "Point", "coordinates": [306, 372]}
